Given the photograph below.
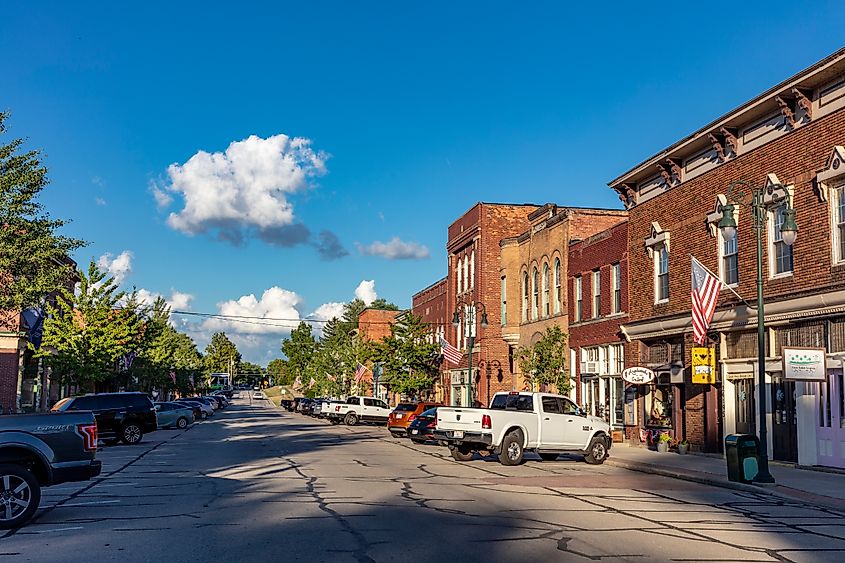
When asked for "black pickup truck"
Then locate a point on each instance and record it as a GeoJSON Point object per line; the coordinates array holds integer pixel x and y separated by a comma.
{"type": "Point", "coordinates": [39, 450]}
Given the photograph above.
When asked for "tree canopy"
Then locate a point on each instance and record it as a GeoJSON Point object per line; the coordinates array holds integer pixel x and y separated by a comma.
{"type": "Point", "coordinates": [408, 358]}
{"type": "Point", "coordinates": [221, 355]}
{"type": "Point", "coordinates": [544, 362]}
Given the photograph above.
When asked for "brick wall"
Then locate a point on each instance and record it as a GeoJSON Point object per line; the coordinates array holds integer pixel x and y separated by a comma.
{"type": "Point", "coordinates": [374, 324]}
{"type": "Point", "coordinates": [430, 305]}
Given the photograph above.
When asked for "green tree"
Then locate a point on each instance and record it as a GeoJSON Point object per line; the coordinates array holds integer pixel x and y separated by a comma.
{"type": "Point", "coordinates": [33, 256]}
{"type": "Point", "coordinates": [250, 372]}
{"type": "Point", "coordinates": [299, 349]}
{"type": "Point", "coordinates": [188, 362]}
{"type": "Point", "coordinates": [221, 355]}
{"type": "Point", "coordinates": [157, 347]}
{"type": "Point", "coordinates": [407, 357]}
{"type": "Point", "coordinates": [544, 362]}
{"type": "Point", "coordinates": [278, 370]}
{"type": "Point", "coordinates": [86, 333]}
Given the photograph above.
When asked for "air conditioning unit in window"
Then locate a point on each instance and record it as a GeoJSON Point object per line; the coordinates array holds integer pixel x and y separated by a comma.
{"type": "Point", "coordinates": [458, 378]}
{"type": "Point", "coordinates": [589, 367]}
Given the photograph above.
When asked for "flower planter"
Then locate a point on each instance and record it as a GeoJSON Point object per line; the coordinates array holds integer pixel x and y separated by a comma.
{"type": "Point", "coordinates": [683, 449]}
{"type": "Point", "coordinates": [663, 447]}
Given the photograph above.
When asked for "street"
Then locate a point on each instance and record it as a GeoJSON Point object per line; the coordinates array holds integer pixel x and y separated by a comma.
{"type": "Point", "coordinates": [255, 483]}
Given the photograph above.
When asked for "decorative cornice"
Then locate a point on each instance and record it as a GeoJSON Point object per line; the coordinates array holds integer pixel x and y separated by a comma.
{"type": "Point", "coordinates": [786, 111]}
{"type": "Point", "coordinates": [834, 169]}
{"type": "Point", "coordinates": [803, 102]}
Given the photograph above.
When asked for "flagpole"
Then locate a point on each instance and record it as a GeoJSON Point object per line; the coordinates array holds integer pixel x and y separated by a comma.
{"type": "Point", "coordinates": [723, 284]}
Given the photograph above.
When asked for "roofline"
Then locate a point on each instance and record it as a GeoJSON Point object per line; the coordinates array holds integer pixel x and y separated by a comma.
{"type": "Point", "coordinates": [423, 290]}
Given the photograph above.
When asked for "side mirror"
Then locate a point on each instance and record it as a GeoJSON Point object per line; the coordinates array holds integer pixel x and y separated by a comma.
{"type": "Point", "coordinates": [579, 411]}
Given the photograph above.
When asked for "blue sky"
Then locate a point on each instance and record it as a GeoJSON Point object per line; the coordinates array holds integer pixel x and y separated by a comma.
{"type": "Point", "coordinates": [410, 113]}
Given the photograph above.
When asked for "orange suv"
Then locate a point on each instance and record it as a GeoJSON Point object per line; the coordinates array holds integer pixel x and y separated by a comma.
{"type": "Point", "coordinates": [404, 414]}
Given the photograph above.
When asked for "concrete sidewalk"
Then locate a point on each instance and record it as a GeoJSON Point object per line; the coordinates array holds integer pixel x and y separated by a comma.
{"type": "Point", "coordinates": [793, 483]}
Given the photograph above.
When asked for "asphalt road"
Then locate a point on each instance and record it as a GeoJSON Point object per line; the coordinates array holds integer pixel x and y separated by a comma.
{"type": "Point", "coordinates": [257, 484]}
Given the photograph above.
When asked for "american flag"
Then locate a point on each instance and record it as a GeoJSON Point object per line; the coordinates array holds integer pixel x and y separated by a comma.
{"type": "Point", "coordinates": [705, 294]}
{"type": "Point", "coordinates": [450, 352]}
{"type": "Point", "coordinates": [298, 383]}
{"type": "Point", "coordinates": [312, 382]}
{"type": "Point", "coordinates": [359, 373]}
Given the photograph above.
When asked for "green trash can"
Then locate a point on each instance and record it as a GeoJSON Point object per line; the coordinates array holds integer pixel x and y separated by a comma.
{"type": "Point", "coordinates": [742, 452]}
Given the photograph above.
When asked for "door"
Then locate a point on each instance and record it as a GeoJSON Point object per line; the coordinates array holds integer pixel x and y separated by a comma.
{"type": "Point", "coordinates": [784, 421]}
{"type": "Point", "coordinates": [831, 424]}
{"type": "Point", "coordinates": [577, 428]}
{"type": "Point", "coordinates": [553, 423]}
{"type": "Point", "coordinates": [744, 397]}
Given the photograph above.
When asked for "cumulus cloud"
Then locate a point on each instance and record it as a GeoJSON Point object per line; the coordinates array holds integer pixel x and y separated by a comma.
{"type": "Point", "coordinates": [242, 190]}
{"type": "Point", "coordinates": [275, 303]}
{"type": "Point", "coordinates": [177, 301]}
{"type": "Point", "coordinates": [329, 246]}
{"type": "Point", "coordinates": [118, 267]}
{"type": "Point", "coordinates": [162, 198]}
{"type": "Point", "coordinates": [395, 249]}
{"type": "Point", "coordinates": [366, 291]}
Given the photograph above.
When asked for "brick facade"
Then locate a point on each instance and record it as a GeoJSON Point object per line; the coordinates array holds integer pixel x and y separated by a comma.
{"type": "Point", "coordinates": [430, 305]}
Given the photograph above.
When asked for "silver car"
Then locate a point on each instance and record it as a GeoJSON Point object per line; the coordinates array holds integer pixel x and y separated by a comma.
{"type": "Point", "coordinates": [173, 415]}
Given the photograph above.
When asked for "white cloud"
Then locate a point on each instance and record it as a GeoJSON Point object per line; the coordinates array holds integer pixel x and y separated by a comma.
{"type": "Point", "coordinates": [366, 291]}
{"type": "Point", "coordinates": [275, 304]}
{"type": "Point", "coordinates": [118, 267]}
{"type": "Point", "coordinates": [327, 311]}
{"type": "Point", "coordinates": [100, 201]}
{"type": "Point", "coordinates": [178, 300]}
{"type": "Point", "coordinates": [395, 249]}
{"type": "Point", "coordinates": [243, 189]}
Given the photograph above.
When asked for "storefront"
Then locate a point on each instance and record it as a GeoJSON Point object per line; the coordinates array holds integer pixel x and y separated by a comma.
{"type": "Point", "coordinates": [602, 387]}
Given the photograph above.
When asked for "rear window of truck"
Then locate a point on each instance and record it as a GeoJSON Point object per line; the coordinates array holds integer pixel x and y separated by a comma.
{"type": "Point", "coordinates": [513, 402]}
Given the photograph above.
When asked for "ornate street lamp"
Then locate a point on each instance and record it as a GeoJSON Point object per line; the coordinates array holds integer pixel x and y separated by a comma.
{"type": "Point", "coordinates": [468, 315]}
{"type": "Point", "coordinates": [741, 192]}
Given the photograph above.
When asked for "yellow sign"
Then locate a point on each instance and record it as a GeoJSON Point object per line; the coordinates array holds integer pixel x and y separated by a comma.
{"type": "Point", "coordinates": [704, 365]}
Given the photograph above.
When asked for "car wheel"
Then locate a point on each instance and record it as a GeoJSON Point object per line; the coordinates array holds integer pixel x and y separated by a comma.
{"type": "Point", "coordinates": [203, 415]}
{"type": "Point", "coordinates": [397, 434]}
{"type": "Point", "coordinates": [597, 452]}
{"type": "Point", "coordinates": [462, 453]}
{"type": "Point", "coordinates": [549, 456]}
{"type": "Point", "coordinates": [20, 494]}
{"type": "Point", "coordinates": [418, 440]}
{"type": "Point", "coordinates": [512, 451]}
{"type": "Point", "coordinates": [351, 419]}
{"type": "Point", "coordinates": [131, 434]}
{"type": "Point", "coordinates": [334, 421]}
{"type": "Point", "coordinates": [182, 423]}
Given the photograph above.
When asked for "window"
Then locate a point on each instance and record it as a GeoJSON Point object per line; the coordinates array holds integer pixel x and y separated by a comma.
{"type": "Point", "coordinates": [839, 223]}
{"type": "Point", "coordinates": [472, 269]}
{"type": "Point", "coordinates": [369, 402]}
{"type": "Point", "coordinates": [551, 405]}
{"type": "Point", "coordinates": [524, 296]}
{"type": "Point", "coordinates": [661, 274]}
{"type": "Point", "coordinates": [568, 407]}
{"type": "Point", "coordinates": [781, 252]}
{"type": "Point", "coordinates": [616, 274]}
{"type": "Point", "coordinates": [466, 273]}
{"type": "Point", "coordinates": [545, 290]}
{"type": "Point", "coordinates": [535, 304]}
{"type": "Point", "coordinates": [557, 286]}
{"type": "Point", "coordinates": [730, 267]}
{"type": "Point", "coordinates": [579, 303]}
{"type": "Point", "coordinates": [504, 302]}
{"type": "Point", "coordinates": [458, 273]}
{"type": "Point", "coordinates": [596, 294]}
{"type": "Point", "coordinates": [658, 403]}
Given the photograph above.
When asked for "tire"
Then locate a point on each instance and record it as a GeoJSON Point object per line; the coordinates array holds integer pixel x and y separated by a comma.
{"type": "Point", "coordinates": [203, 415]}
{"type": "Point", "coordinates": [351, 419]}
{"type": "Point", "coordinates": [397, 435]}
{"type": "Point", "coordinates": [597, 451]}
{"type": "Point", "coordinates": [418, 440]}
{"type": "Point", "coordinates": [182, 423]}
{"type": "Point", "coordinates": [21, 504]}
{"type": "Point", "coordinates": [512, 451]}
{"type": "Point", "coordinates": [462, 453]}
{"type": "Point", "coordinates": [549, 456]}
{"type": "Point", "coordinates": [131, 434]}
{"type": "Point", "coordinates": [334, 421]}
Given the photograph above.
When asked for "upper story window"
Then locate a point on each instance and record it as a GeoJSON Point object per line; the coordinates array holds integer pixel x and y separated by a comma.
{"type": "Point", "coordinates": [557, 286]}
{"type": "Point", "coordinates": [781, 253]}
{"type": "Point", "coordinates": [504, 301]}
{"type": "Point", "coordinates": [661, 274]}
{"type": "Point", "coordinates": [466, 273]}
{"type": "Point", "coordinates": [597, 293]}
{"type": "Point", "coordinates": [545, 290]}
{"type": "Point", "coordinates": [524, 296]}
{"type": "Point", "coordinates": [616, 281]}
{"type": "Point", "coordinates": [579, 301]}
{"type": "Point", "coordinates": [730, 262]}
{"type": "Point", "coordinates": [472, 269]}
{"type": "Point", "coordinates": [459, 275]}
{"type": "Point", "coordinates": [838, 202]}
{"type": "Point", "coordinates": [535, 303]}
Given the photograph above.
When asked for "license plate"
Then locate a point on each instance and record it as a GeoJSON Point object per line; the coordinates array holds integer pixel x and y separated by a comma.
{"type": "Point", "coordinates": [458, 434]}
{"type": "Point", "coordinates": [415, 431]}
{"type": "Point", "coordinates": [399, 416]}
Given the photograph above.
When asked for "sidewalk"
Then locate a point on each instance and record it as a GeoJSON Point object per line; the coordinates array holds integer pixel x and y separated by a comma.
{"type": "Point", "coordinates": [817, 487]}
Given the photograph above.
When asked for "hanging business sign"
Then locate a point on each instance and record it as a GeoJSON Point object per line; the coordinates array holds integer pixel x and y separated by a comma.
{"type": "Point", "coordinates": [804, 364]}
{"type": "Point", "coordinates": [638, 375]}
{"type": "Point", "coordinates": [704, 365]}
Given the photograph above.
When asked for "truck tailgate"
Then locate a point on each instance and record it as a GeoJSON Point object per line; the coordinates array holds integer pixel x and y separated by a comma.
{"type": "Point", "coordinates": [457, 418]}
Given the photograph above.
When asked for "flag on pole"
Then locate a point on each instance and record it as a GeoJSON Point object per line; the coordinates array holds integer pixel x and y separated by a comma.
{"type": "Point", "coordinates": [312, 382]}
{"type": "Point", "coordinates": [173, 376]}
{"type": "Point", "coordinates": [450, 352]}
{"type": "Point", "coordinates": [297, 383]}
{"type": "Point", "coordinates": [331, 377]}
{"type": "Point", "coordinates": [359, 373]}
{"type": "Point", "coordinates": [705, 294]}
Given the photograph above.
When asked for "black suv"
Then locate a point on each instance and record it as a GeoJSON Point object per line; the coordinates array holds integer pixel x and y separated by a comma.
{"type": "Point", "coordinates": [120, 416]}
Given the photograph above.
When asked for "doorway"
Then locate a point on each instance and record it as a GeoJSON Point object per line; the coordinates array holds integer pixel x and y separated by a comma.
{"type": "Point", "coordinates": [784, 421]}
{"type": "Point", "coordinates": [744, 394]}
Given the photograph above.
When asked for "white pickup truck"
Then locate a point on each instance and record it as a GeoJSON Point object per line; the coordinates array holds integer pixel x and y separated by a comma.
{"type": "Point", "coordinates": [545, 423]}
{"type": "Point", "coordinates": [355, 409]}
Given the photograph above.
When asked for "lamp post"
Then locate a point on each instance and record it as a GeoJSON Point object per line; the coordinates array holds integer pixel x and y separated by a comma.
{"type": "Point", "coordinates": [468, 315]}
{"type": "Point", "coordinates": [488, 366]}
{"type": "Point", "coordinates": [741, 192]}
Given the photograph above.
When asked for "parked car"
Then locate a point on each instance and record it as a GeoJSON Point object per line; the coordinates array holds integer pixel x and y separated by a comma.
{"type": "Point", "coordinates": [363, 409]}
{"type": "Point", "coordinates": [205, 409]}
{"type": "Point", "coordinates": [422, 428]}
{"type": "Point", "coordinates": [258, 395]}
{"type": "Point", "coordinates": [204, 401]}
{"type": "Point", "coordinates": [404, 414]}
{"type": "Point", "coordinates": [221, 401]}
{"type": "Point", "coordinates": [304, 406]}
{"type": "Point", "coordinates": [41, 450]}
{"type": "Point", "coordinates": [515, 422]}
{"type": "Point", "coordinates": [195, 407]}
{"type": "Point", "coordinates": [120, 416]}
{"type": "Point", "coordinates": [287, 404]}
{"type": "Point", "coordinates": [174, 415]}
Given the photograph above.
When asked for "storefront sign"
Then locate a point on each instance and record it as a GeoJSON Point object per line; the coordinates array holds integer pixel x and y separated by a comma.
{"type": "Point", "coordinates": [704, 365]}
{"type": "Point", "coordinates": [804, 364]}
{"type": "Point", "coordinates": [638, 375]}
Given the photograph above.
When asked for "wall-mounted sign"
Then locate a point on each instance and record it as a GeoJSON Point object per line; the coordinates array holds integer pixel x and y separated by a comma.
{"type": "Point", "coordinates": [804, 364]}
{"type": "Point", "coordinates": [638, 375]}
{"type": "Point", "coordinates": [704, 365]}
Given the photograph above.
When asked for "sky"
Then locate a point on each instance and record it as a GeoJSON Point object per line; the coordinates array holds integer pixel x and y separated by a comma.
{"type": "Point", "coordinates": [275, 160]}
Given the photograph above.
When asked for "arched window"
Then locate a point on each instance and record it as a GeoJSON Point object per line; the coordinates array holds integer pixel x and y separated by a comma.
{"type": "Point", "coordinates": [557, 286]}
{"type": "Point", "coordinates": [524, 296]}
{"type": "Point", "coordinates": [472, 269]}
{"type": "Point", "coordinates": [466, 273]}
{"type": "Point", "coordinates": [545, 290]}
{"type": "Point", "coordinates": [535, 304]}
{"type": "Point", "coordinates": [458, 273]}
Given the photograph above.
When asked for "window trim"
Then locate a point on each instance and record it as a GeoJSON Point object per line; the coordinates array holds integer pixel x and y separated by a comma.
{"type": "Point", "coordinates": [546, 308]}
{"type": "Point", "coordinates": [504, 300]}
{"type": "Point", "coordinates": [616, 288]}
{"type": "Point", "coordinates": [557, 297]}
{"type": "Point", "coordinates": [535, 294]}
{"type": "Point", "coordinates": [658, 252]}
{"type": "Point", "coordinates": [578, 294]}
{"type": "Point", "coordinates": [525, 296]}
{"type": "Point", "coordinates": [720, 241]}
{"type": "Point", "coordinates": [837, 240]}
{"type": "Point", "coordinates": [596, 301]}
{"type": "Point", "coordinates": [770, 229]}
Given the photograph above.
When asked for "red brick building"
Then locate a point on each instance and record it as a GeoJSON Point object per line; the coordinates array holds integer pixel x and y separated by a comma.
{"type": "Point", "coordinates": [598, 305]}
{"type": "Point", "coordinates": [374, 325]}
{"type": "Point", "coordinates": [791, 135]}
{"type": "Point", "coordinates": [430, 305]}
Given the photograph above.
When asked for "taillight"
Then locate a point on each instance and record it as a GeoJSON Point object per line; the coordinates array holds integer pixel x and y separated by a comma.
{"type": "Point", "coordinates": [485, 422]}
{"type": "Point", "coordinates": [412, 418]}
{"type": "Point", "coordinates": [431, 424]}
{"type": "Point", "coordinates": [89, 436]}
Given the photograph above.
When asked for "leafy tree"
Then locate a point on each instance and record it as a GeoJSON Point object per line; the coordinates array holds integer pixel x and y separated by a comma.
{"type": "Point", "coordinates": [188, 362]}
{"type": "Point", "coordinates": [279, 371]}
{"type": "Point", "coordinates": [544, 362]}
{"type": "Point", "coordinates": [33, 257]}
{"type": "Point", "coordinates": [407, 357]}
{"type": "Point", "coordinates": [157, 346]}
{"type": "Point", "coordinates": [383, 304]}
{"type": "Point", "coordinates": [221, 355]}
{"type": "Point", "coordinates": [86, 333]}
{"type": "Point", "coordinates": [250, 372]}
{"type": "Point", "coordinates": [299, 349]}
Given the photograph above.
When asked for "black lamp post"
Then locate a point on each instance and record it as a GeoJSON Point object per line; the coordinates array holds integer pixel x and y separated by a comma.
{"type": "Point", "coordinates": [741, 192]}
{"type": "Point", "coordinates": [488, 366]}
{"type": "Point", "coordinates": [468, 315]}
